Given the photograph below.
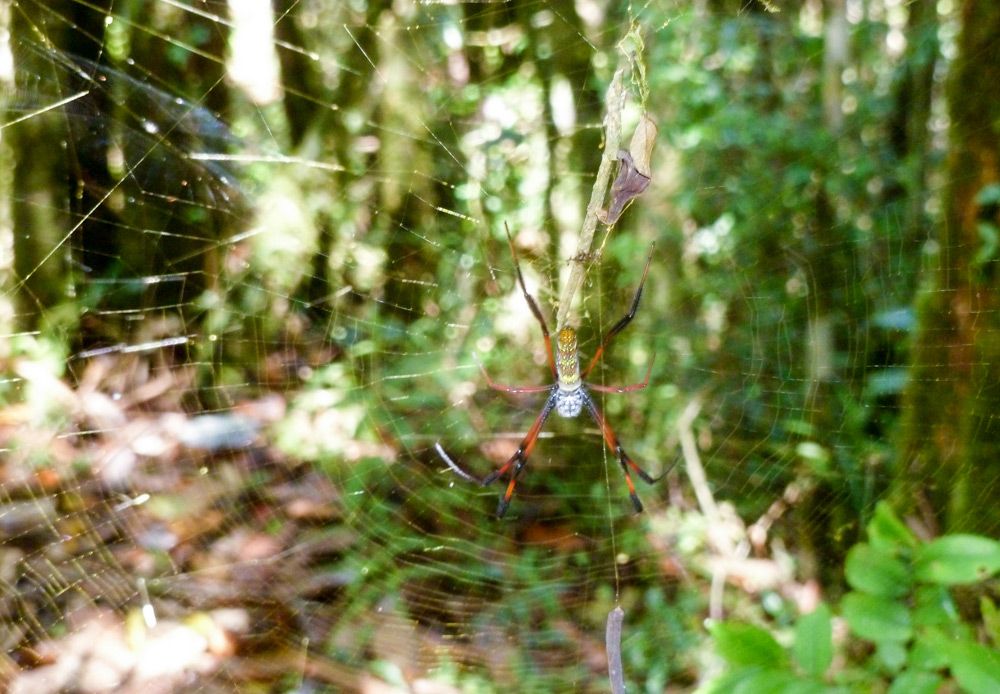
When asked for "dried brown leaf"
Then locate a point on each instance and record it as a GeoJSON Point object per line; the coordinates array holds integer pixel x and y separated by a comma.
{"type": "Point", "coordinates": [634, 171]}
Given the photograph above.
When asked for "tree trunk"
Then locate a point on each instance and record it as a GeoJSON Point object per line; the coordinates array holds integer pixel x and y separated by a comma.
{"type": "Point", "coordinates": [950, 432]}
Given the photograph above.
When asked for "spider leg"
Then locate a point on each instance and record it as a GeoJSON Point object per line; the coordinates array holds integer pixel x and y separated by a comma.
{"type": "Point", "coordinates": [520, 457]}
{"type": "Point", "coordinates": [533, 305]}
{"type": "Point", "coordinates": [623, 458]}
{"type": "Point", "coordinates": [626, 389]}
{"type": "Point", "coordinates": [620, 325]}
{"type": "Point", "coordinates": [508, 389]}
{"type": "Point", "coordinates": [453, 465]}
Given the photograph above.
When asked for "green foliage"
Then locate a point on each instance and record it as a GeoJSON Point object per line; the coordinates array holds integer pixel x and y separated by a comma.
{"type": "Point", "coordinates": [957, 559]}
{"type": "Point", "coordinates": [813, 645]}
{"type": "Point", "coordinates": [747, 645]}
{"type": "Point", "coordinates": [758, 663]}
{"type": "Point", "coordinates": [901, 604]}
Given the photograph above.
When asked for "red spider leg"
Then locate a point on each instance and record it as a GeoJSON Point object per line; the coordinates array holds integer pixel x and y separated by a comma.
{"type": "Point", "coordinates": [623, 459]}
{"type": "Point", "coordinates": [620, 325]}
{"type": "Point", "coordinates": [509, 389]}
{"type": "Point", "coordinates": [520, 457]}
{"type": "Point", "coordinates": [626, 389]}
{"type": "Point", "coordinates": [533, 305]}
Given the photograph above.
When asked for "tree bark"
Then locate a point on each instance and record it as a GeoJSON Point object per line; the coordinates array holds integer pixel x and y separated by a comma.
{"type": "Point", "coordinates": [948, 469]}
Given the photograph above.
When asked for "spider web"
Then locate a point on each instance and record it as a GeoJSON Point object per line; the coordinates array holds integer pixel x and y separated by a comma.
{"type": "Point", "coordinates": [249, 316]}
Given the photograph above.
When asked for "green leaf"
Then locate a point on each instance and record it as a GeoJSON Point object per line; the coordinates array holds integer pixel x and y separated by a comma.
{"type": "Point", "coordinates": [927, 652]}
{"type": "Point", "coordinates": [752, 680]}
{"type": "Point", "coordinates": [892, 655]}
{"type": "Point", "coordinates": [976, 667]}
{"type": "Point", "coordinates": [988, 194]}
{"type": "Point", "coordinates": [747, 644]}
{"type": "Point", "coordinates": [809, 686]}
{"type": "Point", "coordinates": [728, 681]}
{"type": "Point", "coordinates": [990, 238]}
{"type": "Point", "coordinates": [877, 618]}
{"type": "Point", "coordinates": [991, 619]}
{"type": "Point", "coordinates": [915, 682]}
{"type": "Point", "coordinates": [813, 646]}
{"type": "Point", "coordinates": [887, 533]}
{"type": "Point", "coordinates": [957, 559]}
{"type": "Point", "coordinates": [933, 606]}
{"type": "Point", "coordinates": [876, 572]}
{"type": "Point", "coordinates": [767, 681]}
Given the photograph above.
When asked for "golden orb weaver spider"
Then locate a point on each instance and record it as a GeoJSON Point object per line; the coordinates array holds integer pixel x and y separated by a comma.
{"type": "Point", "coordinates": [568, 395]}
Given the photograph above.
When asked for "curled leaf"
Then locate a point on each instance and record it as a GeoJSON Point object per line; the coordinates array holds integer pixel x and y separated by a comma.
{"type": "Point", "coordinates": [634, 171]}
{"type": "Point", "coordinates": [641, 147]}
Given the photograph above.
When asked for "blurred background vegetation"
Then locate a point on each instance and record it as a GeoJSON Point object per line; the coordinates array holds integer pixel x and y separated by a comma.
{"type": "Point", "coordinates": [250, 247]}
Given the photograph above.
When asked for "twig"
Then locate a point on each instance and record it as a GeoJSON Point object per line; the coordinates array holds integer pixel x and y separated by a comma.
{"type": "Point", "coordinates": [615, 103]}
{"type": "Point", "coordinates": [720, 534]}
{"type": "Point", "coordinates": [695, 470]}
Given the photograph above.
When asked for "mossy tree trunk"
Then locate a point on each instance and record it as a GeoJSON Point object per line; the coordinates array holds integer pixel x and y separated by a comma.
{"type": "Point", "coordinates": [948, 472]}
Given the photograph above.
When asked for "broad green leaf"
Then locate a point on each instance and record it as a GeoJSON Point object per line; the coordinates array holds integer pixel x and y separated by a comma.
{"type": "Point", "coordinates": [933, 606]}
{"type": "Point", "coordinates": [990, 238]}
{"type": "Point", "coordinates": [813, 647]}
{"type": "Point", "coordinates": [877, 618]}
{"type": "Point", "coordinates": [957, 559]}
{"type": "Point", "coordinates": [728, 681]}
{"type": "Point", "coordinates": [991, 619]}
{"type": "Point", "coordinates": [766, 681]}
{"type": "Point", "coordinates": [747, 644]}
{"type": "Point", "coordinates": [988, 194]}
{"type": "Point", "coordinates": [887, 533]}
{"type": "Point", "coordinates": [752, 680]}
{"type": "Point", "coordinates": [876, 572]}
{"type": "Point", "coordinates": [915, 682]}
{"type": "Point", "coordinates": [924, 656]}
{"type": "Point", "coordinates": [976, 667]}
{"type": "Point", "coordinates": [928, 652]}
{"type": "Point", "coordinates": [808, 686]}
{"type": "Point", "coordinates": [892, 655]}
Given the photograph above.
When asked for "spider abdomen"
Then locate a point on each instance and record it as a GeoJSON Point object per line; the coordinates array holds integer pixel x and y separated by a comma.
{"type": "Point", "coordinates": [567, 360]}
{"type": "Point", "coordinates": [569, 403]}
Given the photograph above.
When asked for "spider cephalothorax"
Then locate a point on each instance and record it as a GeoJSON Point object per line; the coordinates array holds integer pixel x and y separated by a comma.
{"type": "Point", "coordinates": [567, 396]}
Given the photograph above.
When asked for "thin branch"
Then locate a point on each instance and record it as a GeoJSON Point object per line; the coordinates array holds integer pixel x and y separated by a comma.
{"type": "Point", "coordinates": [615, 103]}
{"type": "Point", "coordinates": [695, 470]}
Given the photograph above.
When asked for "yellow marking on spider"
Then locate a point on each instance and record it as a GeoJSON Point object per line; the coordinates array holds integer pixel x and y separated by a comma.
{"type": "Point", "coordinates": [567, 360]}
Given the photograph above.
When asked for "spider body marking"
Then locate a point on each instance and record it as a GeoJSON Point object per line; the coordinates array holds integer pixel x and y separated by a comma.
{"type": "Point", "coordinates": [569, 403]}
{"type": "Point", "coordinates": [568, 395]}
{"type": "Point", "coordinates": [569, 390]}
